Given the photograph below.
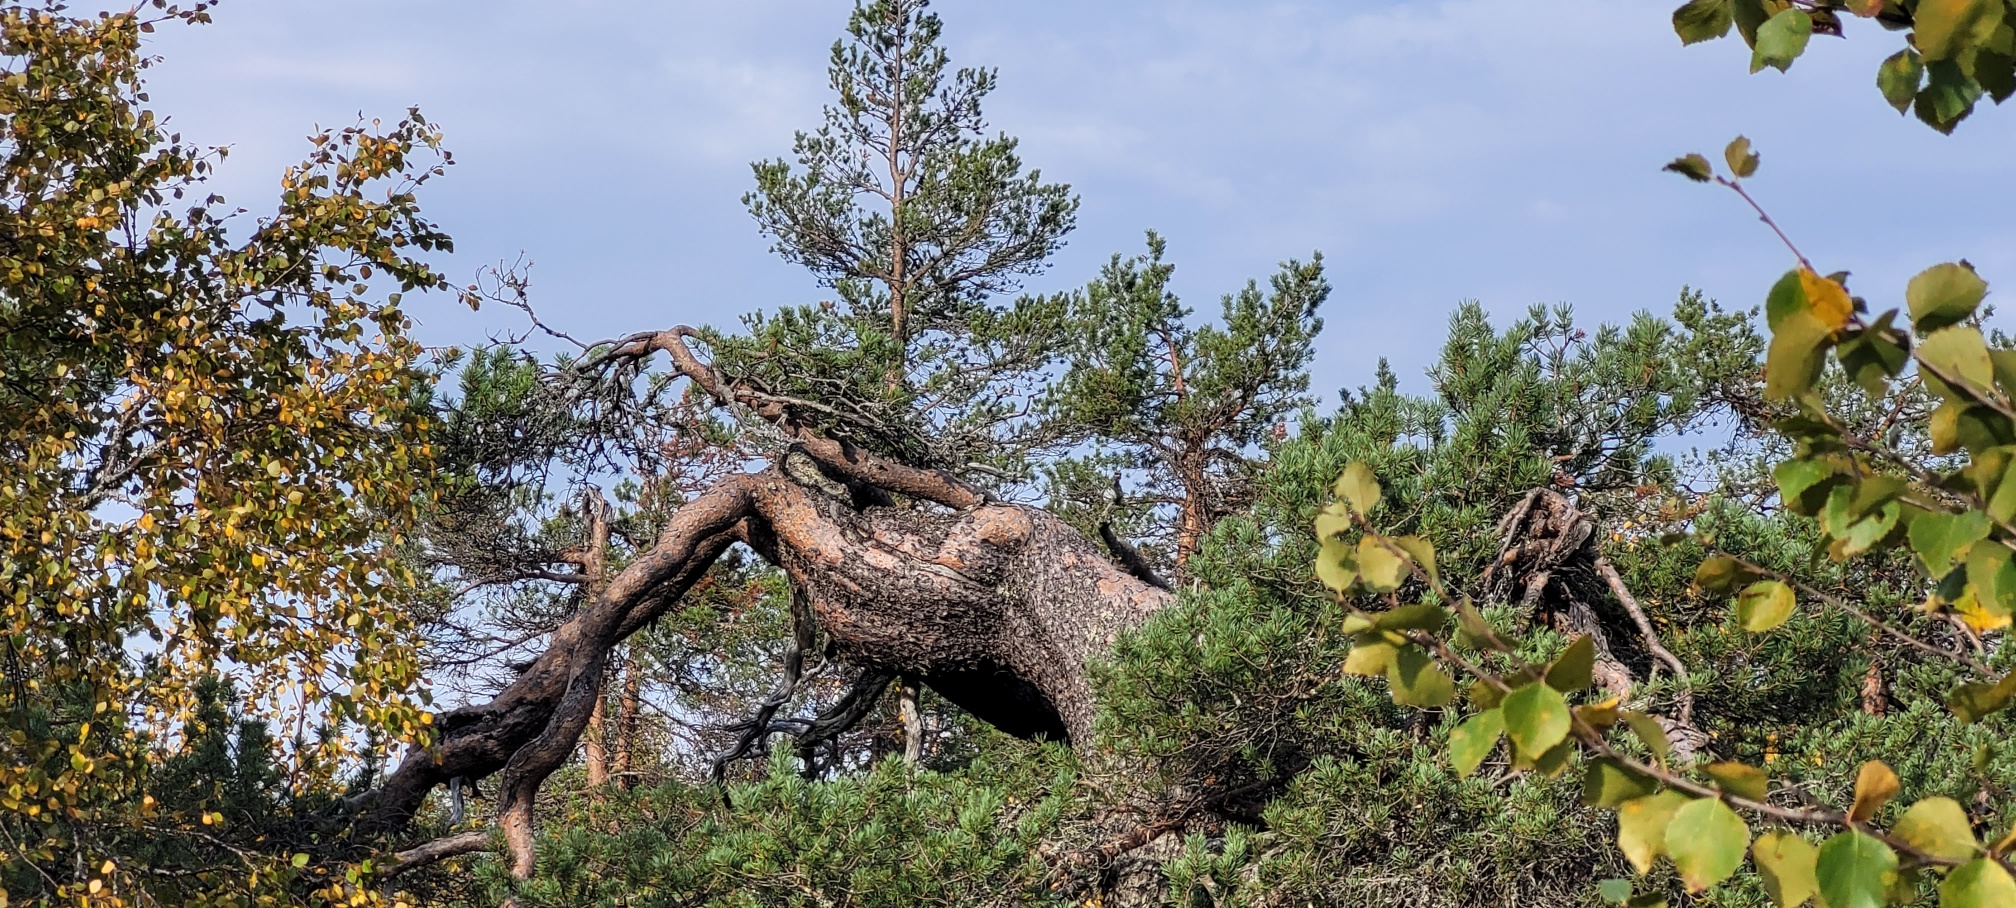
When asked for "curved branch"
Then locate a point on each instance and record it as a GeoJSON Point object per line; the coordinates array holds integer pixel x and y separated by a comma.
{"type": "Point", "coordinates": [440, 849]}
{"type": "Point", "coordinates": [476, 741]}
{"type": "Point", "coordinates": [1131, 557]}
{"type": "Point", "coordinates": [1651, 637]}
{"type": "Point", "coordinates": [860, 700]}
{"type": "Point", "coordinates": [841, 457]}
{"type": "Point", "coordinates": [754, 729]}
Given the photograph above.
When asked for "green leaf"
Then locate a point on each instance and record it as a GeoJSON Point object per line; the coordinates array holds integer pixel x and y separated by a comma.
{"type": "Point", "coordinates": [1991, 574]}
{"type": "Point", "coordinates": [1980, 883]}
{"type": "Point", "coordinates": [1536, 718]}
{"type": "Point", "coordinates": [1786, 297]}
{"type": "Point", "coordinates": [1702, 20]}
{"type": "Point", "coordinates": [1418, 681]}
{"type": "Point", "coordinates": [1959, 353]}
{"type": "Point", "coordinates": [1854, 871]}
{"type": "Point", "coordinates": [1706, 841]}
{"type": "Point", "coordinates": [1875, 355]}
{"type": "Point", "coordinates": [1781, 39]}
{"type": "Point", "coordinates": [1995, 72]}
{"type": "Point", "coordinates": [1944, 29]}
{"type": "Point", "coordinates": [1615, 891]}
{"type": "Point", "coordinates": [1740, 779]}
{"type": "Point", "coordinates": [1750, 15]}
{"type": "Point", "coordinates": [1693, 166]}
{"type": "Point", "coordinates": [1472, 741]}
{"type": "Point", "coordinates": [1551, 763]}
{"type": "Point", "coordinates": [1795, 479]}
{"type": "Point", "coordinates": [1939, 827]}
{"type": "Point", "coordinates": [1944, 427]}
{"type": "Point", "coordinates": [1874, 491]}
{"type": "Point", "coordinates": [1337, 564]}
{"type": "Point", "coordinates": [1718, 574]}
{"type": "Point", "coordinates": [1609, 783]}
{"type": "Point", "coordinates": [1785, 861]}
{"type": "Point", "coordinates": [1575, 667]}
{"type": "Point", "coordinates": [1798, 350]}
{"type": "Point", "coordinates": [1651, 732]}
{"type": "Point", "coordinates": [300, 860]}
{"type": "Point", "coordinates": [1765, 605]}
{"type": "Point", "coordinates": [1370, 655]}
{"type": "Point", "coordinates": [1941, 540]}
{"type": "Point", "coordinates": [1358, 487]}
{"type": "Point", "coordinates": [1422, 551]}
{"type": "Point", "coordinates": [1484, 695]}
{"type": "Point", "coordinates": [1942, 295]}
{"type": "Point", "coordinates": [1948, 96]}
{"type": "Point", "coordinates": [1417, 617]}
{"type": "Point", "coordinates": [1864, 534]}
{"type": "Point", "coordinates": [1641, 827]}
{"type": "Point", "coordinates": [1382, 568]}
{"type": "Point", "coordinates": [1334, 520]}
{"type": "Point", "coordinates": [1899, 77]}
{"type": "Point", "coordinates": [1742, 161]}
{"type": "Point", "coordinates": [2005, 369]}
{"type": "Point", "coordinates": [1975, 701]}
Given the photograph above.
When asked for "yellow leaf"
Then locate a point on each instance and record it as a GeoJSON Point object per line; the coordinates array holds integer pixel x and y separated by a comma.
{"type": "Point", "coordinates": [1977, 616]}
{"type": "Point", "coordinates": [1826, 299]}
{"type": "Point", "coordinates": [1875, 785]}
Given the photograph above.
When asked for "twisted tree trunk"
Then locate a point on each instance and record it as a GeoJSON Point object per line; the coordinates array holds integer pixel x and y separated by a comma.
{"type": "Point", "coordinates": [998, 607]}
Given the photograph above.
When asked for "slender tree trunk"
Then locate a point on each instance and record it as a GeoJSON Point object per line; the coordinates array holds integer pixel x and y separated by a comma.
{"type": "Point", "coordinates": [1192, 521]}
{"type": "Point", "coordinates": [597, 747]}
{"type": "Point", "coordinates": [629, 708]}
{"type": "Point", "coordinates": [913, 723]}
{"type": "Point", "coordinates": [899, 179]}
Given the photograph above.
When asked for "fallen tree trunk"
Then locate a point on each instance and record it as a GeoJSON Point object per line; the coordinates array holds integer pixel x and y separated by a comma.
{"type": "Point", "coordinates": [998, 607]}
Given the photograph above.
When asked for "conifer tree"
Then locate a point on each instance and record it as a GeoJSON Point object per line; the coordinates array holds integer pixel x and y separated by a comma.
{"type": "Point", "coordinates": [1179, 404]}
{"type": "Point", "coordinates": [919, 222]}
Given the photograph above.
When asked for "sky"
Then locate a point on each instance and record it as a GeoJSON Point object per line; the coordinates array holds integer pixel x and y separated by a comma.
{"type": "Point", "coordinates": [1434, 152]}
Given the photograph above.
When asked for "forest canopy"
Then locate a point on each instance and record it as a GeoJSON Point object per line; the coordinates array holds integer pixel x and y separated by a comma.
{"type": "Point", "coordinates": [947, 589]}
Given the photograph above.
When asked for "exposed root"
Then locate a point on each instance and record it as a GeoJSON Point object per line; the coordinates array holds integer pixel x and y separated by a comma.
{"type": "Point", "coordinates": [1549, 562]}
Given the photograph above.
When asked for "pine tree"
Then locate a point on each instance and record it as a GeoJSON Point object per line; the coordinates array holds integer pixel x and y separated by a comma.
{"type": "Point", "coordinates": [919, 222]}
{"type": "Point", "coordinates": [1182, 406]}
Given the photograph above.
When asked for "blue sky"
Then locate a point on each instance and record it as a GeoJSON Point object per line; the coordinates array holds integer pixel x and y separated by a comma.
{"type": "Point", "coordinates": [1433, 151]}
